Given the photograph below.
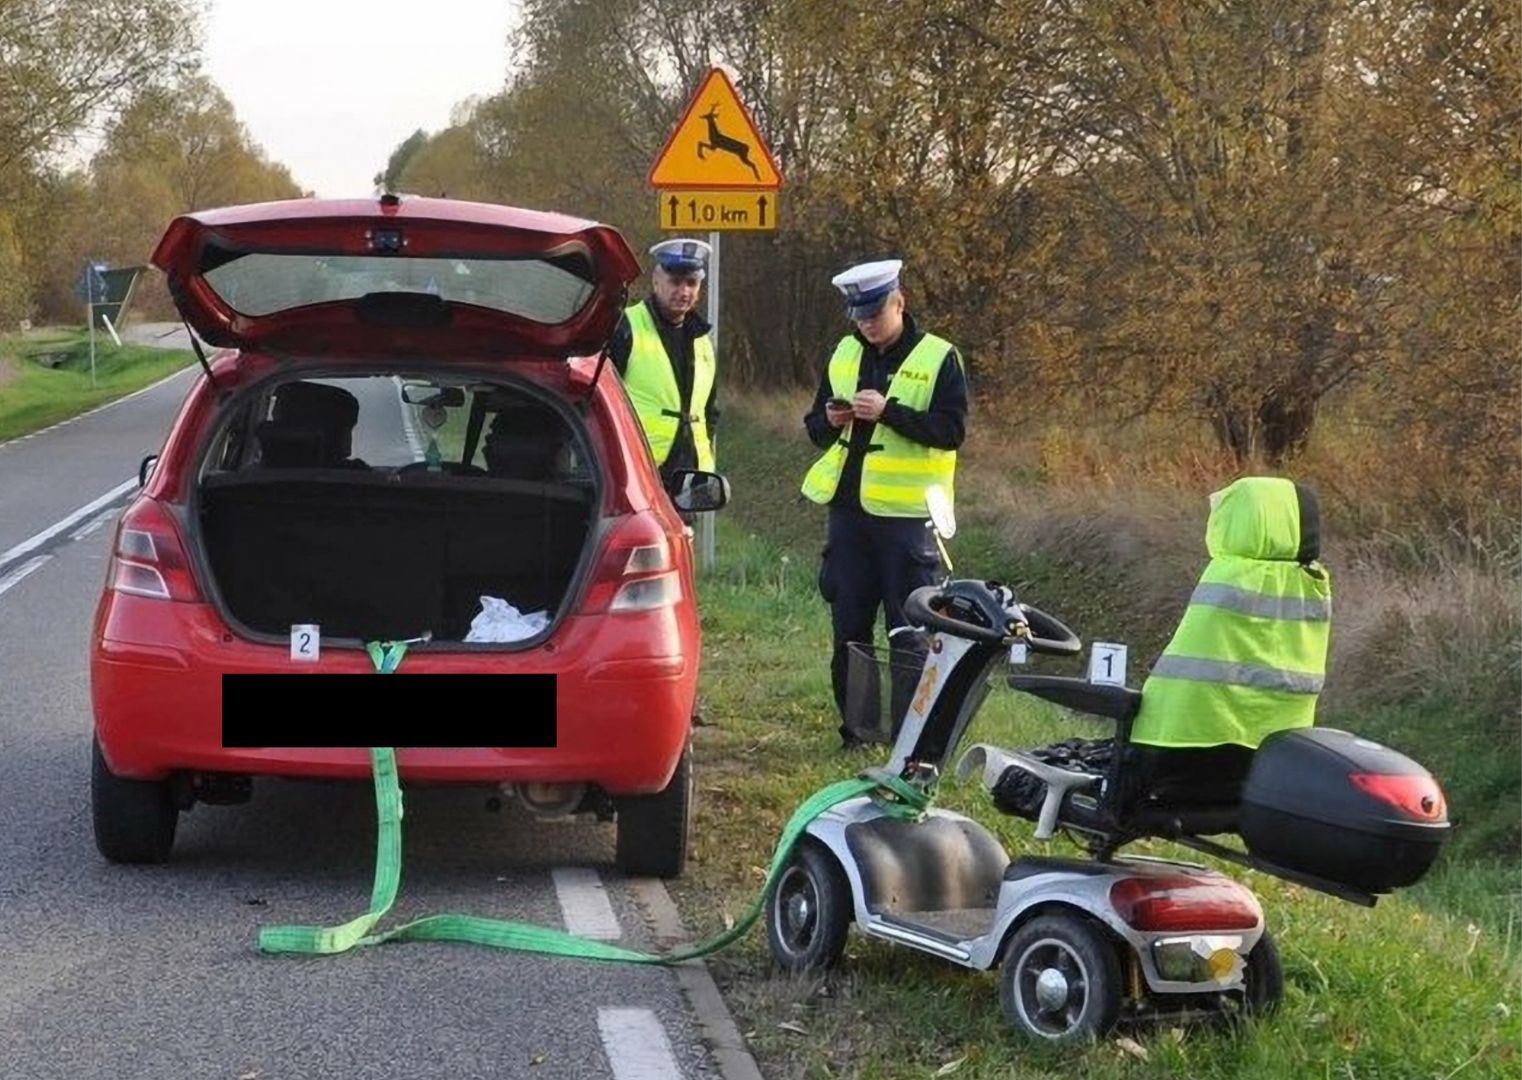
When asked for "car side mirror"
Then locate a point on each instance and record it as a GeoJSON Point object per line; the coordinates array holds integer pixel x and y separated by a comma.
{"type": "Point", "coordinates": [146, 469]}
{"type": "Point", "coordinates": [697, 492]}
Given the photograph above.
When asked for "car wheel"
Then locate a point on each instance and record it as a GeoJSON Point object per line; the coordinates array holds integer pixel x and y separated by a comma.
{"type": "Point", "coordinates": [653, 829]}
{"type": "Point", "coordinates": [134, 819]}
{"type": "Point", "coordinates": [1060, 983]}
{"type": "Point", "coordinates": [808, 913]}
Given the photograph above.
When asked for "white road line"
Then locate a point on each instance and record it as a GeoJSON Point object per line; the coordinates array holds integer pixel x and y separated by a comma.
{"type": "Point", "coordinates": [584, 903]}
{"type": "Point", "coordinates": [409, 425]}
{"type": "Point", "coordinates": [32, 543]}
{"type": "Point", "coordinates": [15, 576]}
{"type": "Point", "coordinates": [636, 1045]}
{"type": "Point", "coordinates": [101, 520]}
{"type": "Point", "coordinates": [715, 1024]}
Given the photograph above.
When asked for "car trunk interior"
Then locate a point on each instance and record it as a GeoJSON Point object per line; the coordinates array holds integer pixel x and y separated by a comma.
{"type": "Point", "coordinates": [370, 556]}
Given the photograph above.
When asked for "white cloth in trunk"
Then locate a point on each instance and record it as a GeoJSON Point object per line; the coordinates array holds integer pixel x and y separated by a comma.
{"type": "Point", "coordinates": [500, 621]}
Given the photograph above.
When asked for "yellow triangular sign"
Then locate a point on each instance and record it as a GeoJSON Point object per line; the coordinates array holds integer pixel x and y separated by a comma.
{"type": "Point", "coordinates": [716, 144]}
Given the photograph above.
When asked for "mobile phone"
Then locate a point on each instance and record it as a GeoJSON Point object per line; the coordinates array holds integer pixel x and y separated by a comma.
{"type": "Point", "coordinates": [839, 403]}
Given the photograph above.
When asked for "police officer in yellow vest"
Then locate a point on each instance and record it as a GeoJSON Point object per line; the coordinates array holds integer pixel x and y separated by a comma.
{"type": "Point", "coordinates": [890, 413]}
{"type": "Point", "coordinates": [664, 352]}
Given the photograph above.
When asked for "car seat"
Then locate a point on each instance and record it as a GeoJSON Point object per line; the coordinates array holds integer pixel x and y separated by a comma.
{"type": "Point", "coordinates": [526, 443]}
{"type": "Point", "coordinates": [288, 446]}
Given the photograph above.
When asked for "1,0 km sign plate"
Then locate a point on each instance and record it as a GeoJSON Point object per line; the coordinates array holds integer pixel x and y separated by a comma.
{"type": "Point", "coordinates": [716, 211]}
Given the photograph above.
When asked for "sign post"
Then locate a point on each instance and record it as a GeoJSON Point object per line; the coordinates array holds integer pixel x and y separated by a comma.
{"type": "Point", "coordinates": [715, 174]}
{"type": "Point", "coordinates": [91, 288]}
{"type": "Point", "coordinates": [706, 526]}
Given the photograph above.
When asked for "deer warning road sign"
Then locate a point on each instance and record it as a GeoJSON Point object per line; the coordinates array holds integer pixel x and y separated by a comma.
{"type": "Point", "coordinates": [716, 144]}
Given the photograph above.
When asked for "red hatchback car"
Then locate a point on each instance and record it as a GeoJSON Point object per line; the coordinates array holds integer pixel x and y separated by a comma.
{"type": "Point", "coordinates": [407, 437]}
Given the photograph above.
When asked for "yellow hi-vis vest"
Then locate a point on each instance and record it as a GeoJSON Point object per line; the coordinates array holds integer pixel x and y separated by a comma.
{"type": "Point", "coordinates": [895, 470]}
{"type": "Point", "coordinates": [1249, 657]}
{"type": "Point", "coordinates": [651, 384]}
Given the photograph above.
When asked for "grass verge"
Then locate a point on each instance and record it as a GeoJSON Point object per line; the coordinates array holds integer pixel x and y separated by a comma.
{"type": "Point", "coordinates": [35, 394]}
{"type": "Point", "coordinates": [1424, 985]}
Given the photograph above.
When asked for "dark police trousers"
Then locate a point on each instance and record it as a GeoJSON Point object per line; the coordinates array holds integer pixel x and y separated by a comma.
{"type": "Point", "coordinates": [870, 561]}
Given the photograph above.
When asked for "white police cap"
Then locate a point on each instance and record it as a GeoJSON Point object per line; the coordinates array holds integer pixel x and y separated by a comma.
{"type": "Point", "coordinates": [683, 256]}
{"type": "Point", "coordinates": [867, 286]}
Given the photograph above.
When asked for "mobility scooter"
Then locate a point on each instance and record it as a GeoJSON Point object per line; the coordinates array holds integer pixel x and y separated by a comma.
{"type": "Point", "coordinates": [1082, 943]}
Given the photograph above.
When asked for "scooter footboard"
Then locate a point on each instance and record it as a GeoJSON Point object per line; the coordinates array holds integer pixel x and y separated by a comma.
{"type": "Point", "coordinates": [940, 862]}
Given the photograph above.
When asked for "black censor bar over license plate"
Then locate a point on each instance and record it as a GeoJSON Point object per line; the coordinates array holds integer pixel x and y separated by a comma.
{"type": "Point", "coordinates": [320, 711]}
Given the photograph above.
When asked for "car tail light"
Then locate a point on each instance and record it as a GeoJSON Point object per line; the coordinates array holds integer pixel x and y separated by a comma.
{"type": "Point", "coordinates": [635, 569]}
{"type": "Point", "coordinates": [149, 558]}
{"type": "Point", "coordinates": [1180, 902]}
{"type": "Point", "coordinates": [1417, 795]}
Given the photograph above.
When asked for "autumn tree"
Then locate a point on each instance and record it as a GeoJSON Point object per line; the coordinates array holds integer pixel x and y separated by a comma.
{"type": "Point", "coordinates": [66, 62]}
{"type": "Point", "coordinates": [388, 178]}
{"type": "Point", "coordinates": [172, 150]}
{"type": "Point", "coordinates": [1443, 134]}
{"type": "Point", "coordinates": [1228, 215]}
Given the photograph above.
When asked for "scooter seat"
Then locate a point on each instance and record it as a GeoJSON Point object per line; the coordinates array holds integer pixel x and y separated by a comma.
{"type": "Point", "coordinates": [1055, 797]}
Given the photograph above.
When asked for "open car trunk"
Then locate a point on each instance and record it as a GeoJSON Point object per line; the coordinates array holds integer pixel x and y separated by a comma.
{"type": "Point", "coordinates": [374, 556]}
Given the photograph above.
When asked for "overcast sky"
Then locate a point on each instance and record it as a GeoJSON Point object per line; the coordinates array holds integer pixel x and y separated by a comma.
{"type": "Point", "coordinates": [329, 87]}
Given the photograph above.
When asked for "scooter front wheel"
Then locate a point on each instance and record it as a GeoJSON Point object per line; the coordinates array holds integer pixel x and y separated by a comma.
{"type": "Point", "coordinates": [809, 911]}
{"type": "Point", "coordinates": [1061, 980]}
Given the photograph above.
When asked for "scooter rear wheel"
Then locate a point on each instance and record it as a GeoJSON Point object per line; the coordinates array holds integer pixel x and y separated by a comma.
{"type": "Point", "coordinates": [809, 911]}
{"type": "Point", "coordinates": [1264, 977]}
{"type": "Point", "coordinates": [1061, 980]}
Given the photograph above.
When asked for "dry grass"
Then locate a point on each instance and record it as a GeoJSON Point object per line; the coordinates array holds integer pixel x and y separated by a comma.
{"type": "Point", "coordinates": [1429, 603]}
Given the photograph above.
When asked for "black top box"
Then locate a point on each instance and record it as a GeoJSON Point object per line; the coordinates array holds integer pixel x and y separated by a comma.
{"type": "Point", "coordinates": [1326, 802]}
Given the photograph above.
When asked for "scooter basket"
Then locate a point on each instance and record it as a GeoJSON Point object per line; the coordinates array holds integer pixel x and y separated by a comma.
{"type": "Point", "coordinates": [880, 684]}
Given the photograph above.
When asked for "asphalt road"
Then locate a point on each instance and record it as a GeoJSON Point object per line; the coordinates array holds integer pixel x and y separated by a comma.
{"type": "Point", "coordinates": [110, 971]}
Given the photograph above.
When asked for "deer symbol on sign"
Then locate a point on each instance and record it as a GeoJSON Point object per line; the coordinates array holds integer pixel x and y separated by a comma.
{"type": "Point", "coordinates": [717, 140]}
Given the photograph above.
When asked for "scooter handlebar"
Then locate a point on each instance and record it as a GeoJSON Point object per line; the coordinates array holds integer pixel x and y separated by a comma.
{"type": "Point", "coordinates": [924, 607]}
{"type": "Point", "coordinates": [1050, 635]}
{"type": "Point", "coordinates": [918, 609]}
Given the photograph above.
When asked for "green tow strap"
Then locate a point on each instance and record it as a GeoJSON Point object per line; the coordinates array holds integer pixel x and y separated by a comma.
{"type": "Point", "coordinates": [899, 798]}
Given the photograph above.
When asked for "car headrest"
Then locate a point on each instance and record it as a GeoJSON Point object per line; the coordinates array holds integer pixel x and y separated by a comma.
{"type": "Point", "coordinates": [290, 446]}
{"type": "Point", "coordinates": [525, 444]}
{"type": "Point", "coordinates": [310, 404]}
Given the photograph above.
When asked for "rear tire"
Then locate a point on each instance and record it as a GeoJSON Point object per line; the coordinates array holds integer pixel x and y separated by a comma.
{"type": "Point", "coordinates": [653, 829]}
{"type": "Point", "coordinates": [1264, 977]}
{"type": "Point", "coordinates": [1060, 983]}
{"type": "Point", "coordinates": [134, 819]}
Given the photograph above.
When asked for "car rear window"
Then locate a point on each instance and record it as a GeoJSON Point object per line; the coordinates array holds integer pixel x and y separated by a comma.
{"type": "Point", "coordinates": [369, 424]}
{"type": "Point", "coordinates": [263, 283]}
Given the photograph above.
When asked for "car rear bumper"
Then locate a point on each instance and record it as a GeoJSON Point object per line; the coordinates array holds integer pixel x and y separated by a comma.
{"type": "Point", "coordinates": [622, 718]}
